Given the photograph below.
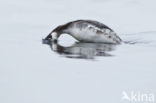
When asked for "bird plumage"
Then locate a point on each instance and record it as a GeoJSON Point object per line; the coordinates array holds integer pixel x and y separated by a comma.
{"type": "Point", "coordinates": [87, 31]}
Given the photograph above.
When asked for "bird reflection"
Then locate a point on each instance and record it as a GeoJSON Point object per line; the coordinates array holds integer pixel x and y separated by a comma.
{"type": "Point", "coordinates": [81, 50]}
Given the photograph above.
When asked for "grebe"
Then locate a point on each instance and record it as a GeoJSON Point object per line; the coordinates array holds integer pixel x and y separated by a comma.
{"type": "Point", "coordinates": [86, 31]}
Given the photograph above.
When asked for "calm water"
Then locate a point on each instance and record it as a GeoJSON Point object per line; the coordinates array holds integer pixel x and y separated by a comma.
{"type": "Point", "coordinates": [69, 71]}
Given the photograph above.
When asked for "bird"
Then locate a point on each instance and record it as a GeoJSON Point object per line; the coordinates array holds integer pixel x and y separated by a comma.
{"type": "Point", "coordinates": [86, 31]}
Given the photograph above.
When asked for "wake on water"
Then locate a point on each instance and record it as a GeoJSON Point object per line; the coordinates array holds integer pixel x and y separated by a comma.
{"type": "Point", "coordinates": [143, 38]}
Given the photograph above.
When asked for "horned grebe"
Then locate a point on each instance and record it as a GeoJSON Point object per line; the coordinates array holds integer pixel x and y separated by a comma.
{"type": "Point", "coordinates": [86, 31]}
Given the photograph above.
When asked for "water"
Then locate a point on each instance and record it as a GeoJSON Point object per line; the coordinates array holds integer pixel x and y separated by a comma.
{"type": "Point", "coordinates": [81, 50]}
{"type": "Point", "coordinates": [69, 71]}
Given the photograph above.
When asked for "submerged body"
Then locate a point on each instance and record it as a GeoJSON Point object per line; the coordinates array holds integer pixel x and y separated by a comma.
{"type": "Point", "coordinates": [86, 31]}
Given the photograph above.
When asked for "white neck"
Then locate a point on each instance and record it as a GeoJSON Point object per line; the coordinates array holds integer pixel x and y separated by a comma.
{"type": "Point", "coordinates": [54, 35]}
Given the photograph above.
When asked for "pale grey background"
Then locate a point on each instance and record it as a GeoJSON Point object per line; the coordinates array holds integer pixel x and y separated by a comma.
{"type": "Point", "coordinates": [31, 73]}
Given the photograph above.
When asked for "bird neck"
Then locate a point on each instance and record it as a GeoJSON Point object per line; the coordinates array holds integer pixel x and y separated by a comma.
{"type": "Point", "coordinates": [60, 29]}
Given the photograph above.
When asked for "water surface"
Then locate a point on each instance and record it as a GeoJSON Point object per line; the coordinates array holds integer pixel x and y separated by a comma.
{"type": "Point", "coordinates": [32, 72]}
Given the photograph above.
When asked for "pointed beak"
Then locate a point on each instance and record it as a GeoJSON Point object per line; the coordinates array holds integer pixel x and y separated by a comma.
{"type": "Point", "coordinates": [47, 39]}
